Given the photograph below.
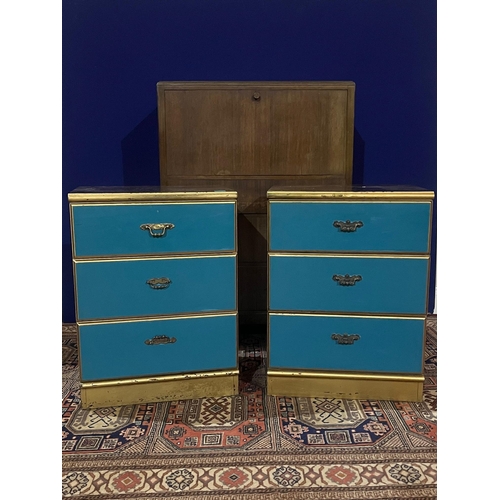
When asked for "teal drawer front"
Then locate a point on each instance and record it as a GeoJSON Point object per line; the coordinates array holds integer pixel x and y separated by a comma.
{"type": "Point", "coordinates": [387, 227]}
{"type": "Point", "coordinates": [387, 285]}
{"type": "Point", "coordinates": [118, 350]}
{"type": "Point", "coordinates": [116, 229]}
{"type": "Point", "coordinates": [119, 288]}
{"type": "Point", "coordinates": [383, 345]}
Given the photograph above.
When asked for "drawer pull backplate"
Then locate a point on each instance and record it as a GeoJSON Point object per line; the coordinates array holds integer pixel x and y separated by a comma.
{"type": "Point", "coordinates": [346, 280]}
{"type": "Point", "coordinates": [345, 339]}
{"type": "Point", "coordinates": [348, 226]}
{"type": "Point", "coordinates": [157, 230]}
{"type": "Point", "coordinates": [160, 339]}
{"type": "Point", "coordinates": [159, 283]}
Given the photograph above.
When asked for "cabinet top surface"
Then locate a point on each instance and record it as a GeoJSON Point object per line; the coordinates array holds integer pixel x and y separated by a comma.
{"type": "Point", "coordinates": [337, 192]}
{"type": "Point", "coordinates": [149, 193]}
{"type": "Point", "coordinates": [184, 85]}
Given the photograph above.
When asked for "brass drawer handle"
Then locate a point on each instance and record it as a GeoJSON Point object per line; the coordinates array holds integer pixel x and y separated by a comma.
{"type": "Point", "coordinates": [346, 280]}
{"type": "Point", "coordinates": [347, 226]}
{"type": "Point", "coordinates": [159, 283]}
{"type": "Point", "coordinates": [157, 230]}
{"type": "Point", "coordinates": [345, 338]}
{"type": "Point", "coordinates": [160, 339]}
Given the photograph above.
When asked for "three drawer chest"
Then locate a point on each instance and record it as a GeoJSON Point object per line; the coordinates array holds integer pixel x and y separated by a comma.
{"type": "Point", "coordinates": [155, 293]}
{"type": "Point", "coordinates": [348, 278]}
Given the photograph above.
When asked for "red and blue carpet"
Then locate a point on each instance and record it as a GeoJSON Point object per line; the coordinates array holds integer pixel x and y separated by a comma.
{"type": "Point", "coordinates": [251, 446]}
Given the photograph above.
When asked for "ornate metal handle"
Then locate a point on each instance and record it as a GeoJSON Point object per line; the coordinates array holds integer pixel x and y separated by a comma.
{"type": "Point", "coordinates": [160, 339]}
{"type": "Point", "coordinates": [159, 283]}
{"type": "Point", "coordinates": [157, 230]}
{"type": "Point", "coordinates": [346, 280]}
{"type": "Point", "coordinates": [347, 226]}
{"type": "Point", "coordinates": [345, 338]}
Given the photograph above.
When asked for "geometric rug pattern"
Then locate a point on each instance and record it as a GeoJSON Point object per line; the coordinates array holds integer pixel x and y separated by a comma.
{"type": "Point", "coordinates": [250, 446]}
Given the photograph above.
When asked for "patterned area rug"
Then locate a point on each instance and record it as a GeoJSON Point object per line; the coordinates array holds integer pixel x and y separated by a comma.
{"type": "Point", "coordinates": [251, 446]}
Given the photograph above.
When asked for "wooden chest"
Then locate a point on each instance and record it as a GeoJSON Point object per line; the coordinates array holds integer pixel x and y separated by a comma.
{"type": "Point", "coordinates": [155, 289]}
{"type": "Point", "coordinates": [348, 284]}
{"type": "Point", "coordinates": [249, 136]}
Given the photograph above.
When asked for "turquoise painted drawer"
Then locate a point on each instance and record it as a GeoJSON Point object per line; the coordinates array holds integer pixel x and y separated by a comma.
{"type": "Point", "coordinates": [130, 349]}
{"type": "Point", "coordinates": [127, 229]}
{"type": "Point", "coordinates": [319, 226]}
{"type": "Point", "coordinates": [387, 345]}
{"type": "Point", "coordinates": [375, 284]}
{"type": "Point", "coordinates": [119, 288]}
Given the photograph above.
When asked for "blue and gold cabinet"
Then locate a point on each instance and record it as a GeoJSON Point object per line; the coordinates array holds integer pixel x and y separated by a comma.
{"type": "Point", "coordinates": [347, 293]}
{"type": "Point", "coordinates": [155, 293]}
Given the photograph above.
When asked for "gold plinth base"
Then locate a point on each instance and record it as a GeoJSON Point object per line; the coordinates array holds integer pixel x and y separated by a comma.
{"type": "Point", "coordinates": [345, 386]}
{"type": "Point", "coordinates": [158, 389]}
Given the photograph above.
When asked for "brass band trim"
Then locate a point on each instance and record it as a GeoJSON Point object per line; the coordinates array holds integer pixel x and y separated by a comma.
{"type": "Point", "coordinates": [347, 387]}
{"type": "Point", "coordinates": [162, 378]}
{"type": "Point", "coordinates": [356, 376]}
{"type": "Point", "coordinates": [339, 196]}
{"type": "Point", "coordinates": [421, 317]}
{"type": "Point", "coordinates": [154, 392]}
{"type": "Point", "coordinates": [138, 319]}
{"type": "Point", "coordinates": [334, 255]}
{"type": "Point", "coordinates": [145, 203]}
{"type": "Point", "coordinates": [152, 196]}
{"type": "Point", "coordinates": [118, 258]}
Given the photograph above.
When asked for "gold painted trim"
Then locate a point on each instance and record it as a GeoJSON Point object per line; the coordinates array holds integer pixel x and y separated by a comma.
{"type": "Point", "coordinates": [353, 376]}
{"type": "Point", "coordinates": [155, 392]}
{"type": "Point", "coordinates": [421, 317]}
{"type": "Point", "coordinates": [152, 203]}
{"type": "Point", "coordinates": [137, 319]}
{"type": "Point", "coordinates": [338, 196]}
{"type": "Point", "coordinates": [345, 386]}
{"type": "Point", "coordinates": [344, 253]}
{"type": "Point", "coordinates": [152, 196]}
{"type": "Point", "coordinates": [334, 255]}
{"type": "Point", "coordinates": [163, 378]}
{"type": "Point", "coordinates": [117, 258]}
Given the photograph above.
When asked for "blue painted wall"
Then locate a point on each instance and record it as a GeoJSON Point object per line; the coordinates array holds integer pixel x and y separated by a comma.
{"type": "Point", "coordinates": [115, 51]}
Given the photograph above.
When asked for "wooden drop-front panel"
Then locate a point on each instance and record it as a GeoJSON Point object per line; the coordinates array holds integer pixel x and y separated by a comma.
{"type": "Point", "coordinates": [249, 136]}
